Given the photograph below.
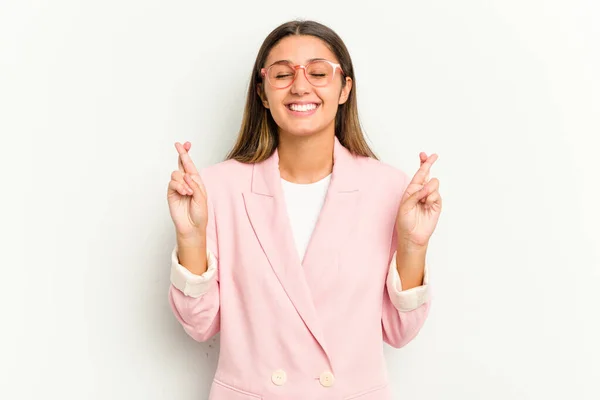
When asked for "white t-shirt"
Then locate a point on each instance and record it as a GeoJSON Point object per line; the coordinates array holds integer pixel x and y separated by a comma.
{"type": "Point", "coordinates": [304, 202]}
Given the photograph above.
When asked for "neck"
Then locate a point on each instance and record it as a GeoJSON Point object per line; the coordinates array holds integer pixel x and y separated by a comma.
{"type": "Point", "coordinates": [305, 159]}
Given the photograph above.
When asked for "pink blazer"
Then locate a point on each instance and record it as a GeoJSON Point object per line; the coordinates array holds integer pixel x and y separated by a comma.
{"type": "Point", "coordinates": [310, 329]}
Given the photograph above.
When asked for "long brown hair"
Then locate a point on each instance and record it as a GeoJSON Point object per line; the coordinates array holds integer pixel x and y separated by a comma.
{"type": "Point", "coordinates": [258, 136]}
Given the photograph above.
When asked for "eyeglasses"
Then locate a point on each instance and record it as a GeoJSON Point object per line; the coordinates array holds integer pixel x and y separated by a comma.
{"type": "Point", "coordinates": [318, 73]}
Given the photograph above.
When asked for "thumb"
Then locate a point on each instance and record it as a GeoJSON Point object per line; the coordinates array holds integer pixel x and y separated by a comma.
{"type": "Point", "coordinates": [414, 198]}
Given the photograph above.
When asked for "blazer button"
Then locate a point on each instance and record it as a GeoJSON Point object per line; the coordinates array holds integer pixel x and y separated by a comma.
{"type": "Point", "coordinates": [326, 379]}
{"type": "Point", "coordinates": [279, 377]}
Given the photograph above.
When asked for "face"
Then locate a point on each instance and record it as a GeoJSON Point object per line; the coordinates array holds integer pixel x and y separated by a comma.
{"type": "Point", "coordinates": [284, 103]}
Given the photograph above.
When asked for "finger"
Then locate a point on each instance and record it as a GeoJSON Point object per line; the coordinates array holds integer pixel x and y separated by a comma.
{"type": "Point", "coordinates": [180, 188]}
{"type": "Point", "coordinates": [423, 158]}
{"type": "Point", "coordinates": [177, 176]}
{"type": "Point", "coordinates": [432, 186]}
{"type": "Point", "coordinates": [185, 161]}
{"type": "Point", "coordinates": [187, 146]}
{"type": "Point", "coordinates": [196, 184]}
{"type": "Point", "coordinates": [180, 166]}
{"type": "Point", "coordinates": [433, 198]}
{"type": "Point", "coordinates": [414, 198]}
{"type": "Point", "coordinates": [423, 172]}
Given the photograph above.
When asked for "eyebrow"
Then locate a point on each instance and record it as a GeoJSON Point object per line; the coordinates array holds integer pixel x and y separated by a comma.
{"type": "Point", "coordinates": [290, 61]}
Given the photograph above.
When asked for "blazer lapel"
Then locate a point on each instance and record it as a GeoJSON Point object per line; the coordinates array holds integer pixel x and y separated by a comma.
{"type": "Point", "coordinates": [266, 208]}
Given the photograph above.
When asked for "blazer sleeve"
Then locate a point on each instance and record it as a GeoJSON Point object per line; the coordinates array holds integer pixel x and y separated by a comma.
{"type": "Point", "coordinates": [195, 299]}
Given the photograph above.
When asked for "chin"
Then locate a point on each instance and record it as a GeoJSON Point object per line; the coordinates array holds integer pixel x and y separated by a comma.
{"type": "Point", "coordinates": [305, 129]}
{"type": "Point", "coordinates": [304, 132]}
{"type": "Point", "coordinates": [298, 133]}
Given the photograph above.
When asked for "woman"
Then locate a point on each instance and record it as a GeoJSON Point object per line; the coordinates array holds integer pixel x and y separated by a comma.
{"type": "Point", "coordinates": [301, 248]}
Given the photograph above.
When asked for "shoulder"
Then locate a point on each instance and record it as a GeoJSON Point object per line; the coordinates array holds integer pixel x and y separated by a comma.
{"type": "Point", "coordinates": [377, 171]}
{"type": "Point", "coordinates": [225, 174]}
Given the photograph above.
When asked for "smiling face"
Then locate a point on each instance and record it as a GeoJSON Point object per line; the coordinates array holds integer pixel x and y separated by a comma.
{"type": "Point", "coordinates": [303, 109]}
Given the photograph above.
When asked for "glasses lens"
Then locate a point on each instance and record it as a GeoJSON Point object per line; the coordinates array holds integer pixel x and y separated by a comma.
{"type": "Point", "coordinates": [281, 75]}
{"type": "Point", "coordinates": [319, 73]}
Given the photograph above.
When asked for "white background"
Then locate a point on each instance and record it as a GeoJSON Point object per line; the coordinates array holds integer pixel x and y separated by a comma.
{"type": "Point", "coordinates": [94, 94]}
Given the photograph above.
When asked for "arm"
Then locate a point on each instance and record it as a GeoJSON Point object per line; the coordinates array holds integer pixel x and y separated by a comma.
{"type": "Point", "coordinates": [408, 296]}
{"type": "Point", "coordinates": [194, 294]}
{"type": "Point", "coordinates": [405, 311]}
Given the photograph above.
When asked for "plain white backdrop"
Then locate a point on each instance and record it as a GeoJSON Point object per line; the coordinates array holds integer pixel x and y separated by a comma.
{"type": "Point", "coordinates": [94, 94]}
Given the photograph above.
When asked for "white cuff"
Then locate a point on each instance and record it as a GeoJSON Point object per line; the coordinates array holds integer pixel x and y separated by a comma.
{"type": "Point", "coordinates": [189, 283]}
{"type": "Point", "coordinates": [406, 300]}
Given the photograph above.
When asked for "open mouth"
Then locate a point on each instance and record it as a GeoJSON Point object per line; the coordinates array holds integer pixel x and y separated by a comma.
{"type": "Point", "coordinates": [303, 108]}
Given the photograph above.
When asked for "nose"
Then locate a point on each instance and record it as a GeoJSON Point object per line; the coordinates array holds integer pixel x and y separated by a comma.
{"type": "Point", "coordinates": [300, 85]}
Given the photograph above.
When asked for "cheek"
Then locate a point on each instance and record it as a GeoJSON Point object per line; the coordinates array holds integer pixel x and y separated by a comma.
{"type": "Point", "coordinates": [275, 99]}
{"type": "Point", "coordinates": [330, 100]}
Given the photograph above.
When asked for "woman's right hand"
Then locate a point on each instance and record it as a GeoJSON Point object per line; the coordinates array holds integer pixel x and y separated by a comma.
{"type": "Point", "coordinates": [187, 198]}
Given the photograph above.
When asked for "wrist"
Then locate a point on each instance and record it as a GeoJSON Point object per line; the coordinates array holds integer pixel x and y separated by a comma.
{"type": "Point", "coordinates": [410, 264]}
{"type": "Point", "coordinates": [410, 257]}
{"type": "Point", "coordinates": [411, 249]}
{"type": "Point", "coordinates": [192, 240]}
{"type": "Point", "coordinates": [407, 243]}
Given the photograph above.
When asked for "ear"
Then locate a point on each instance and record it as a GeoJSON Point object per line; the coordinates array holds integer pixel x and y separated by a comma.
{"type": "Point", "coordinates": [262, 95]}
{"type": "Point", "coordinates": [346, 91]}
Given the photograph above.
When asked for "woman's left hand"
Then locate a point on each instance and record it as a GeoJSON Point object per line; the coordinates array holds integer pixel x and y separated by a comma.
{"type": "Point", "coordinates": [420, 207]}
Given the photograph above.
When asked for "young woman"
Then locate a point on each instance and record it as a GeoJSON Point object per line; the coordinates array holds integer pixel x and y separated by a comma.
{"type": "Point", "coordinates": [303, 249]}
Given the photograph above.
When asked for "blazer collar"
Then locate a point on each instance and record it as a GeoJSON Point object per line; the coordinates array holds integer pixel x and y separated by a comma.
{"type": "Point", "coordinates": [266, 176]}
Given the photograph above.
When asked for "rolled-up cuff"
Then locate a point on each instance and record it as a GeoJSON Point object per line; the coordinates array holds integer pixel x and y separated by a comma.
{"type": "Point", "coordinates": [407, 300]}
{"type": "Point", "coordinates": [189, 283]}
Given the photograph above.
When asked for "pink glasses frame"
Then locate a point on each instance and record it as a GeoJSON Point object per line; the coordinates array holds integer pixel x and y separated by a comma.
{"type": "Point", "coordinates": [265, 71]}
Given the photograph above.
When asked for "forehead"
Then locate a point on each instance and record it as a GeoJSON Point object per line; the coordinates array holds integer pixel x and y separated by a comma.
{"type": "Point", "coordinates": [299, 49]}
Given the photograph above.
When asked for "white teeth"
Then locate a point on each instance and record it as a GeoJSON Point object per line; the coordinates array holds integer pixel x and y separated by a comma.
{"type": "Point", "coordinates": [304, 107]}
